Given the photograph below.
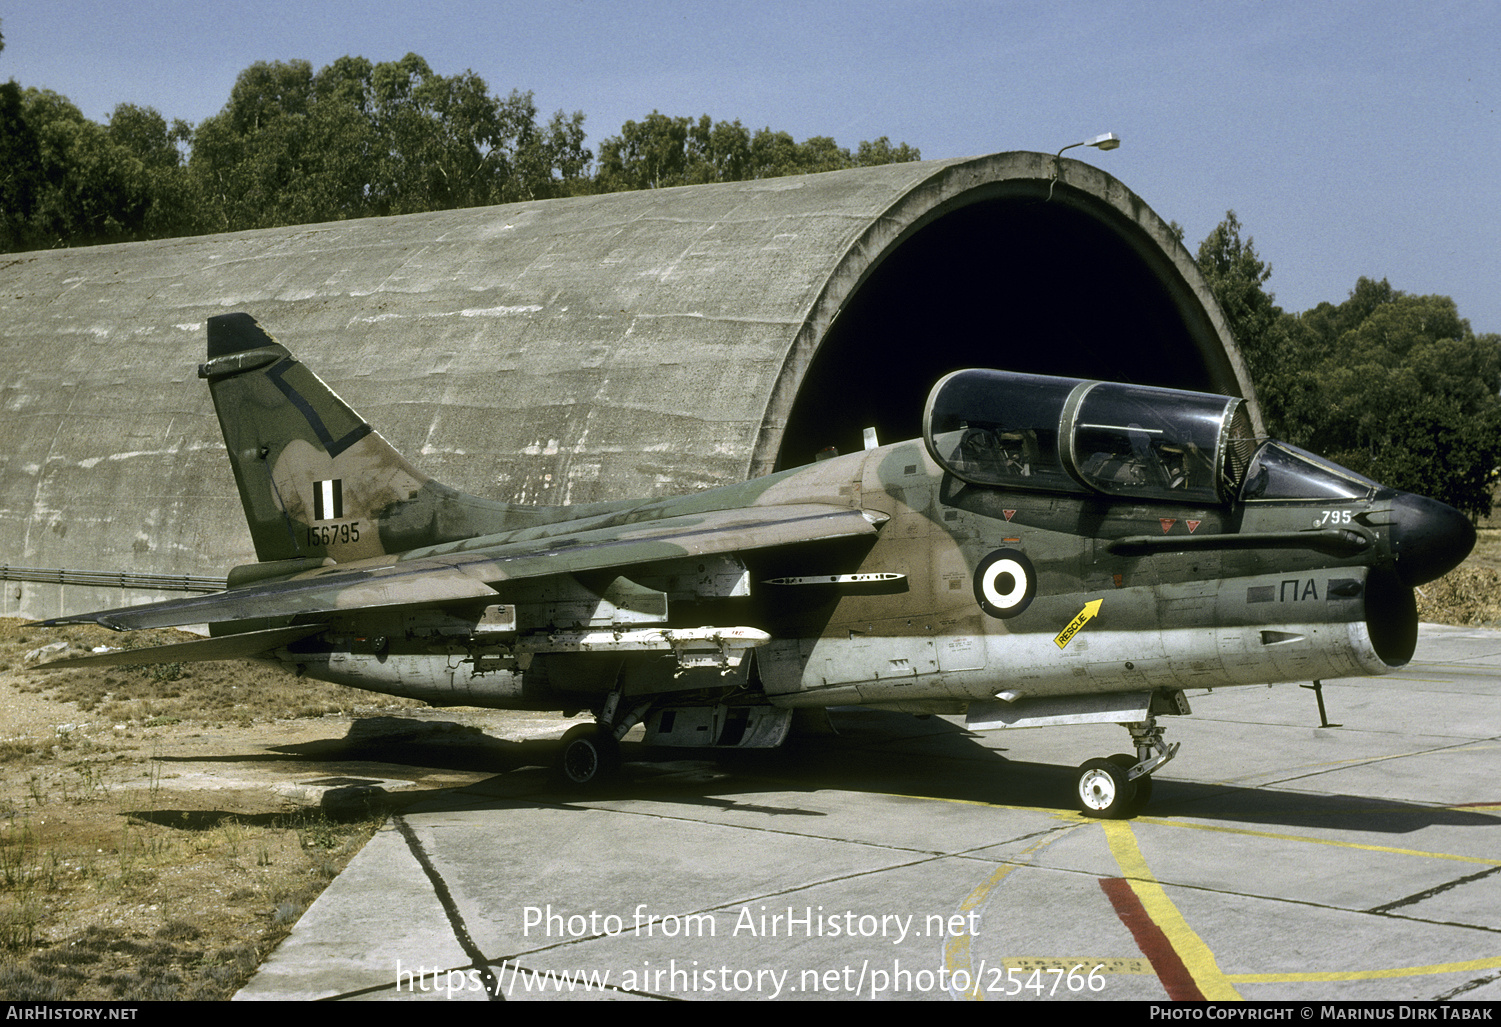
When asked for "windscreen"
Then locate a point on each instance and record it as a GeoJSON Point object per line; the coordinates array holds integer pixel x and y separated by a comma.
{"type": "Point", "coordinates": [1281, 471]}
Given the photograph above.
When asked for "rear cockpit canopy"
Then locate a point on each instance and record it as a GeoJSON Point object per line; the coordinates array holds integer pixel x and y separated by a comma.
{"type": "Point", "coordinates": [1025, 431]}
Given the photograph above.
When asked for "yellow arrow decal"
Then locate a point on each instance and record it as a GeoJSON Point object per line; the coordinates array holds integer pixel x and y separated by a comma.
{"type": "Point", "coordinates": [1091, 609]}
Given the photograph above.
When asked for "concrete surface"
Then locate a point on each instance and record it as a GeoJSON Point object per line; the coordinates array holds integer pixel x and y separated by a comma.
{"type": "Point", "coordinates": [908, 859]}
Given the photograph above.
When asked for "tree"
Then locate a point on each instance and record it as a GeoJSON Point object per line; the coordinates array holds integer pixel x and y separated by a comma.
{"type": "Point", "coordinates": [358, 139]}
{"type": "Point", "coordinates": [1393, 386]}
{"type": "Point", "coordinates": [20, 170]}
{"type": "Point", "coordinates": [649, 154]}
{"type": "Point", "coordinates": [257, 161]}
{"type": "Point", "coordinates": [563, 142]}
{"type": "Point", "coordinates": [1402, 390]}
{"type": "Point", "coordinates": [820, 153]}
{"type": "Point", "coordinates": [718, 151]}
{"type": "Point", "coordinates": [661, 151]}
{"type": "Point", "coordinates": [74, 181]}
{"type": "Point", "coordinates": [880, 151]}
{"type": "Point", "coordinates": [773, 154]}
{"type": "Point", "coordinates": [1236, 275]}
{"type": "Point", "coordinates": [157, 169]}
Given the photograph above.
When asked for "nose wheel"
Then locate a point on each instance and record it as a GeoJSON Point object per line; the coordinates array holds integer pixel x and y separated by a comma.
{"type": "Point", "coordinates": [1117, 787]}
{"type": "Point", "coordinates": [1105, 791]}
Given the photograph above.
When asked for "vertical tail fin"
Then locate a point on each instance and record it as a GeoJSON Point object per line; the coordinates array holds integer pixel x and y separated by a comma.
{"type": "Point", "coordinates": [315, 479]}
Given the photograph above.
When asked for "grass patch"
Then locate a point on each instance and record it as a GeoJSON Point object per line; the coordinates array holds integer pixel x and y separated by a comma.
{"type": "Point", "coordinates": [107, 892]}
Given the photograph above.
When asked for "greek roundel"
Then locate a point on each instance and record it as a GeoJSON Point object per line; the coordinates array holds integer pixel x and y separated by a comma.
{"type": "Point", "coordinates": [1005, 583]}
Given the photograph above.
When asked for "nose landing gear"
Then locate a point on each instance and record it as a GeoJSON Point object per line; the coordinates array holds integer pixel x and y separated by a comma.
{"type": "Point", "coordinates": [1117, 787]}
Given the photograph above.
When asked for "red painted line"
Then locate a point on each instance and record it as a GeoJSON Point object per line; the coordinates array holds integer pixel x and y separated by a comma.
{"type": "Point", "coordinates": [1152, 942]}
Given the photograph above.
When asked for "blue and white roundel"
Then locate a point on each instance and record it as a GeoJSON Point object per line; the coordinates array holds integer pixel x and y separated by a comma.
{"type": "Point", "coordinates": [1005, 583]}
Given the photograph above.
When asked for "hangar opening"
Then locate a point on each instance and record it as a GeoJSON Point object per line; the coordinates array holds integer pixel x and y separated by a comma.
{"type": "Point", "coordinates": [1010, 281]}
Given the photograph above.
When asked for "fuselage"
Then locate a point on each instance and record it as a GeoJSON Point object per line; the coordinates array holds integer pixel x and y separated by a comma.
{"type": "Point", "coordinates": [965, 592]}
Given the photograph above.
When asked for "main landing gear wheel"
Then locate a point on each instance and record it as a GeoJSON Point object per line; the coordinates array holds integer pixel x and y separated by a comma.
{"type": "Point", "coordinates": [590, 757]}
{"type": "Point", "coordinates": [1104, 791]}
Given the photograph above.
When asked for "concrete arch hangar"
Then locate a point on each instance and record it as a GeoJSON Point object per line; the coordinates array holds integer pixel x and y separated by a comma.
{"type": "Point", "coordinates": [567, 351]}
{"type": "Point", "coordinates": [976, 266]}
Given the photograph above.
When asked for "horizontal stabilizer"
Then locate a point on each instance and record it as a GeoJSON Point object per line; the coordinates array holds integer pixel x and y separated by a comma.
{"type": "Point", "coordinates": [229, 647]}
{"type": "Point", "coordinates": [339, 588]}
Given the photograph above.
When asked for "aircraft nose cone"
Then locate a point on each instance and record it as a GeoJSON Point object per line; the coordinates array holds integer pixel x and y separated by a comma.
{"type": "Point", "coordinates": [1429, 539]}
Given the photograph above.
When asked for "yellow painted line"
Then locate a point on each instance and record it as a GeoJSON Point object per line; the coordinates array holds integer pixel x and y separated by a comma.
{"type": "Point", "coordinates": [1369, 975]}
{"type": "Point", "coordinates": [956, 954]}
{"type": "Point", "coordinates": [1197, 957]}
{"type": "Point", "coordinates": [1483, 861]}
{"type": "Point", "coordinates": [1127, 853]}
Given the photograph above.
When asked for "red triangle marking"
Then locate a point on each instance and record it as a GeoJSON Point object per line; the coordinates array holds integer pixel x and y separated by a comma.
{"type": "Point", "coordinates": [1167, 523]}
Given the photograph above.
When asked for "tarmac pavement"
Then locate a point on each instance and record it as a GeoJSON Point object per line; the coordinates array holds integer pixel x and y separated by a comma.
{"type": "Point", "coordinates": [907, 858]}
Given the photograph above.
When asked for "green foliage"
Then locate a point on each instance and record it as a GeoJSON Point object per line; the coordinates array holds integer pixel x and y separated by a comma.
{"type": "Point", "coordinates": [354, 139]}
{"type": "Point", "coordinates": [20, 169]}
{"type": "Point", "coordinates": [1399, 388]}
{"type": "Point", "coordinates": [661, 151]}
{"type": "Point", "coordinates": [1236, 275]}
{"type": "Point", "coordinates": [69, 180]}
{"type": "Point", "coordinates": [358, 139]}
{"type": "Point", "coordinates": [1396, 387]}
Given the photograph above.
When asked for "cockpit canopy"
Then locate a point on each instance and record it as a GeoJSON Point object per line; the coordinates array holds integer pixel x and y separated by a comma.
{"type": "Point", "coordinates": [1028, 431]}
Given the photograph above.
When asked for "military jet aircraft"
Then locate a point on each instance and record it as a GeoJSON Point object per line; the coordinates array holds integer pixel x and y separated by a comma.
{"type": "Point", "coordinates": [1052, 551]}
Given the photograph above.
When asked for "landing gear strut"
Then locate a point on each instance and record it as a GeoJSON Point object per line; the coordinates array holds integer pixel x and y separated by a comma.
{"type": "Point", "coordinates": [1118, 786]}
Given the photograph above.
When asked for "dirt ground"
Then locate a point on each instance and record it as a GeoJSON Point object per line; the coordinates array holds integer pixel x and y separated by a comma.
{"type": "Point", "coordinates": [1471, 593]}
{"type": "Point", "coordinates": [162, 828]}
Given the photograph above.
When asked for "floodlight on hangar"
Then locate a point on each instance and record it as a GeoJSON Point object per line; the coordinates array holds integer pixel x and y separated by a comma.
{"type": "Point", "coordinates": [1107, 141]}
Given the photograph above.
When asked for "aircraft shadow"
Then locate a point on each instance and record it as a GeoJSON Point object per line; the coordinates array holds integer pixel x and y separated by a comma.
{"type": "Point", "coordinates": [873, 752]}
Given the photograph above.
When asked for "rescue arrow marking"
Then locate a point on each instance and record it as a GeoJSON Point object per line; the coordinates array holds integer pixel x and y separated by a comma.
{"type": "Point", "coordinates": [1090, 611]}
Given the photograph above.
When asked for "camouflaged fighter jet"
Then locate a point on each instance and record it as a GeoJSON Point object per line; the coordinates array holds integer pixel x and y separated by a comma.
{"type": "Point", "coordinates": [1051, 551]}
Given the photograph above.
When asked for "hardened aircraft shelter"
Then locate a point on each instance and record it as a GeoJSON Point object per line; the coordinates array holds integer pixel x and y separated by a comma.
{"type": "Point", "coordinates": [564, 351]}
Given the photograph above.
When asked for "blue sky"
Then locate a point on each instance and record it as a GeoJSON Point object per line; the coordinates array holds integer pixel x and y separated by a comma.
{"type": "Point", "coordinates": [1351, 138]}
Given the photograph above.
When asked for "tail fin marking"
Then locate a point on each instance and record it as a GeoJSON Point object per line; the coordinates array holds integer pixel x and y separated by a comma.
{"type": "Point", "coordinates": [315, 478]}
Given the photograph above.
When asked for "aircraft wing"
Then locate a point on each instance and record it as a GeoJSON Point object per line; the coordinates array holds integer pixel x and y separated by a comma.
{"type": "Point", "coordinates": [471, 569]}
